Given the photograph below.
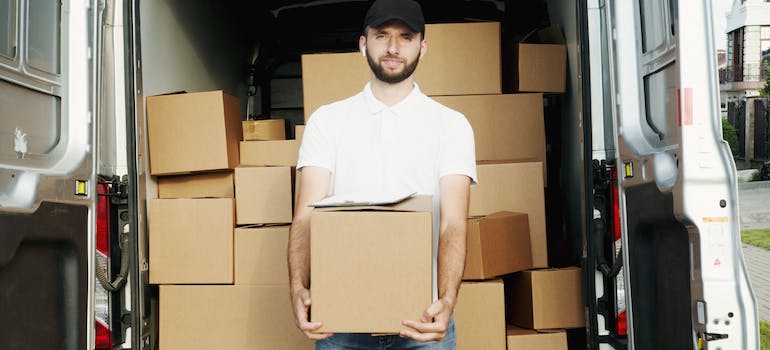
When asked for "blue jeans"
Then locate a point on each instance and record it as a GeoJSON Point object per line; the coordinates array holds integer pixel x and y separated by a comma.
{"type": "Point", "coordinates": [364, 341]}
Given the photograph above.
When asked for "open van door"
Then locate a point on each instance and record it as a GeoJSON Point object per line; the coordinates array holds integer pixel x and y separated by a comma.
{"type": "Point", "coordinates": [686, 284]}
{"type": "Point", "coordinates": [47, 173]}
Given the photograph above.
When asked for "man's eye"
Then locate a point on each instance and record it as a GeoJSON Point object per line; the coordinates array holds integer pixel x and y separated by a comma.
{"type": "Point", "coordinates": [407, 37]}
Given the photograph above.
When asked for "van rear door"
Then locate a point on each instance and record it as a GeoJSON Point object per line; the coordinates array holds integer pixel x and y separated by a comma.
{"type": "Point", "coordinates": [686, 283]}
{"type": "Point", "coordinates": [47, 183]}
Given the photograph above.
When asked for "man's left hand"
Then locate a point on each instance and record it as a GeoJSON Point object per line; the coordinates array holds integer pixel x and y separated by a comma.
{"type": "Point", "coordinates": [433, 323]}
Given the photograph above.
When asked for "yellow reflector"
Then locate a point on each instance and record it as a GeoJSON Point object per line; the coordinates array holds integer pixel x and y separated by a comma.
{"type": "Point", "coordinates": [629, 169]}
{"type": "Point", "coordinates": [81, 187]}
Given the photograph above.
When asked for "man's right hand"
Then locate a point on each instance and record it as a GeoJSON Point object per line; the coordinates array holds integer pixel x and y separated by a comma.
{"type": "Point", "coordinates": [301, 302]}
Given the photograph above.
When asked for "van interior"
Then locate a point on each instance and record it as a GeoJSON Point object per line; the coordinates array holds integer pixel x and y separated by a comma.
{"type": "Point", "coordinates": [252, 50]}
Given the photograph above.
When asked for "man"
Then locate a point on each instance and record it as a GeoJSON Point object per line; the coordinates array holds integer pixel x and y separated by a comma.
{"type": "Point", "coordinates": [389, 138]}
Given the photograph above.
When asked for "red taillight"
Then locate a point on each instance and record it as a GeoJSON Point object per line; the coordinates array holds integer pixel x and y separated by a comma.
{"type": "Point", "coordinates": [615, 203]}
{"type": "Point", "coordinates": [103, 336]}
{"type": "Point", "coordinates": [622, 324]}
{"type": "Point", "coordinates": [103, 219]}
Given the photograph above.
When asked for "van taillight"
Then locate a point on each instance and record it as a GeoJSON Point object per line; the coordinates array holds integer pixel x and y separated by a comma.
{"type": "Point", "coordinates": [103, 336]}
{"type": "Point", "coordinates": [622, 325]}
{"type": "Point", "coordinates": [620, 290]}
{"type": "Point", "coordinates": [103, 219]}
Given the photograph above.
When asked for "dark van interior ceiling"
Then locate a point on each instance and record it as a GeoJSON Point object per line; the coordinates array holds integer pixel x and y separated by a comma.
{"type": "Point", "coordinates": [301, 26]}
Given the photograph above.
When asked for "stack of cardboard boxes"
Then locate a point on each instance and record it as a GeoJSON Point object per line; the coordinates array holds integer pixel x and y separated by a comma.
{"type": "Point", "coordinates": [222, 284]}
{"type": "Point", "coordinates": [506, 227]}
{"type": "Point", "coordinates": [219, 228]}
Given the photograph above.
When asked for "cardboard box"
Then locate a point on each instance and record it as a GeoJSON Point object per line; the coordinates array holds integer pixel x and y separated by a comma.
{"type": "Point", "coordinates": [516, 187]}
{"type": "Point", "coordinates": [228, 317]}
{"type": "Point", "coordinates": [269, 153]}
{"type": "Point", "coordinates": [264, 130]}
{"type": "Point", "coordinates": [525, 339]}
{"type": "Point", "coordinates": [498, 244]}
{"type": "Point", "coordinates": [204, 185]}
{"type": "Point", "coordinates": [451, 66]}
{"type": "Point", "coordinates": [260, 255]}
{"type": "Point", "coordinates": [193, 132]}
{"type": "Point", "coordinates": [263, 195]}
{"type": "Point", "coordinates": [349, 72]}
{"type": "Point", "coordinates": [299, 131]}
{"type": "Point", "coordinates": [371, 267]}
{"type": "Point", "coordinates": [539, 62]}
{"type": "Point", "coordinates": [547, 299]}
{"type": "Point", "coordinates": [191, 241]}
{"type": "Point", "coordinates": [504, 126]}
{"type": "Point", "coordinates": [297, 184]}
{"type": "Point", "coordinates": [480, 316]}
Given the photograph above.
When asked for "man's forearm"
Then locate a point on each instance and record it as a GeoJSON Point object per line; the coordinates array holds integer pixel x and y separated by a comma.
{"type": "Point", "coordinates": [299, 255]}
{"type": "Point", "coordinates": [451, 260]}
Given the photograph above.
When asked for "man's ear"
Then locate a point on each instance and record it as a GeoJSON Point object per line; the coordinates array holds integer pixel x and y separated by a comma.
{"type": "Point", "coordinates": [423, 48]}
{"type": "Point", "coordinates": [362, 45]}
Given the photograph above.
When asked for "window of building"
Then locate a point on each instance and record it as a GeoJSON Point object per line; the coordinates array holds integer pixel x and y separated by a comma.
{"type": "Point", "coordinates": [764, 40]}
{"type": "Point", "coordinates": [735, 54]}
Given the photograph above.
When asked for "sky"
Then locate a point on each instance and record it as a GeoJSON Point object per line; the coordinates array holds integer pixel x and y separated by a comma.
{"type": "Point", "coordinates": [719, 9]}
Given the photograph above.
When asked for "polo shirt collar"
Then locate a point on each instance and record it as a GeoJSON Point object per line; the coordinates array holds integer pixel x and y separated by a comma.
{"type": "Point", "coordinates": [375, 106]}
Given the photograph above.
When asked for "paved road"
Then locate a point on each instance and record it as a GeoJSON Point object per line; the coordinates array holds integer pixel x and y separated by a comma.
{"type": "Point", "coordinates": [754, 205]}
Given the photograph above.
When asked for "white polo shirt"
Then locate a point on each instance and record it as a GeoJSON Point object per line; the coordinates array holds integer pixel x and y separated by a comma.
{"type": "Point", "coordinates": [371, 148]}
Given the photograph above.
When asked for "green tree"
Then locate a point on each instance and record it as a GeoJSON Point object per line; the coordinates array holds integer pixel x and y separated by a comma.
{"type": "Point", "coordinates": [728, 133]}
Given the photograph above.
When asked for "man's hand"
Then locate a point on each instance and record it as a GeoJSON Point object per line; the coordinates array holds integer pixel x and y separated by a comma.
{"type": "Point", "coordinates": [301, 302]}
{"type": "Point", "coordinates": [433, 323]}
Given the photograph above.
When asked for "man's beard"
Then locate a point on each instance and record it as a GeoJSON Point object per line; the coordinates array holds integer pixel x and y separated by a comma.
{"type": "Point", "coordinates": [391, 78]}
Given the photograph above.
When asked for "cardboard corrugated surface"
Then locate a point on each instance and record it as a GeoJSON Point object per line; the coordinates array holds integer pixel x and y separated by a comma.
{"type": "Point", "coordinates": [370, 269]}
{"type": "Point", "coordinates": [191, 241]}
{"type": "Point", "coordinates": [204, 185]}
{"type": "Point", "coordinates": [263, 195]}
{"type": "Point", "coordinates": [299, 131]}
{"type": "Point", "coordinates": [331, 77]}
{"type": "Point", "coordinates": [526, 339]}
{"type": "Point", "coordinates": [260, 255]}
{"type": "Point", "coordinates": [498, 244]}
{"type": "Point", "coordinates": [516, 187]}
{"type": "Point", "coordinates": [228, 317]}
{"type": "Point", "coordinates": [504, 126]}
{"type": "Point", "coordinates": [542, 67]}
{"type": "Point", "coordinates": [480, 316]}
{"type": "Point", "coordinates": [547, 299]}
{"type": "Point", "coordinates": [193, 132]}
{"type": "Point", "coordinates": [269, 153]}
{"type": "Point", "coordinates": [264, 130]}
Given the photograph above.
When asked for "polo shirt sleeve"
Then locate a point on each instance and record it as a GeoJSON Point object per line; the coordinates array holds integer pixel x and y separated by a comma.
{"type": "Point", "coordinates": [317, 148]}
{"type": "Point", "coordinates": [457, 155]}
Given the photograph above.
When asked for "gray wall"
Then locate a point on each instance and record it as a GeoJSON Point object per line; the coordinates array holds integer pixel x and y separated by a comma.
{"type": "Point", "coordinates": [191, 46]}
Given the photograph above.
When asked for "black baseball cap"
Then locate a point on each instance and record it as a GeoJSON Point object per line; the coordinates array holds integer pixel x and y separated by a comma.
{"type": "Point", "coordinates": [407, 11]}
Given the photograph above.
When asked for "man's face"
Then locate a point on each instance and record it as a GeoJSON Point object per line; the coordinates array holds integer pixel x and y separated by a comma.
{"type": "Point", "coordinates": [393, 51]}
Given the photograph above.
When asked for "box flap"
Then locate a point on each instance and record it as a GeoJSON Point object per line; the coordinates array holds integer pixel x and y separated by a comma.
{"type": "Point", "coordinates": [416, 203]}
{"type": "Point", "coordinates": [514, 330]}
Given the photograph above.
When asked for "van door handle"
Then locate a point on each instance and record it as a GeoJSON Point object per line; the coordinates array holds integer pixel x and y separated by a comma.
{"type": "Point", "coordinates": [714, 336]}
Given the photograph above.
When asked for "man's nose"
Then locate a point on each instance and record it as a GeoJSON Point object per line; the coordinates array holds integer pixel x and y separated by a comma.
{"type": "Point", "coordinates": [393, 46]}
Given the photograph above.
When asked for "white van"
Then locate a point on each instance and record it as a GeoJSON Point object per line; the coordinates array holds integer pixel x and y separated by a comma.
{"type": "Point", "coordinates": [641, 188]}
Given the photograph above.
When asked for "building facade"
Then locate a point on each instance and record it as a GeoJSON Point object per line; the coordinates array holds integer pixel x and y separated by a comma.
{"type": "Point", "coordinates": [748, 50]}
